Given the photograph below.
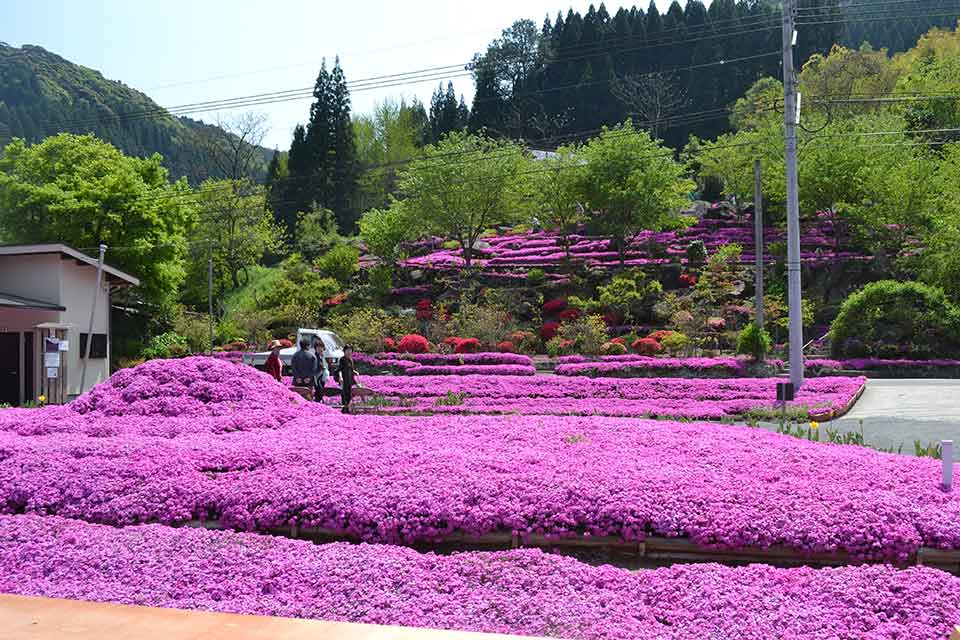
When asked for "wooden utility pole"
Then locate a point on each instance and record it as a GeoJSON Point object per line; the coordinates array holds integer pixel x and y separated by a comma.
{"type": "Point", "coordinates": [210, 291]}
{"type": "Point", "coordinates": [93, 311]}
{"type": "Point", "coordinates": [758, 241]}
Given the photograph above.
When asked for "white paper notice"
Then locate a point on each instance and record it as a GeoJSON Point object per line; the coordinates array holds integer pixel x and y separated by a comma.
{"type": "Point", "coordinates": [64, 345]}
{"type": "Point", "coordinates": [51, 360]}
{"type": "Point", "coordinates": [52, 373]}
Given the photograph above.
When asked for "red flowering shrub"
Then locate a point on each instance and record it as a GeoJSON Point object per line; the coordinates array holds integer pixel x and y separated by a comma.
{"type": "Point", "coordinates": [338, 299]}
{"type": "Point", "coordinates": [569, 314]}
{"type": "Point", "coordinates": [554, 307]}
{"type": "Point", "coordinates": [716, 324]}
{"type": "Point", "coordinates": [646, 346]}
{"type": "Point", "coordinates": [389, 344]}
{"type": "Point", "coordinates": [285, 344]}
{"type": "Point", "coordinates": [660, 335]}
{"type": "Point", "coordinates": [424, 303]}
{"type": "Point", "coordinates": [424, 315]}
{"type": "Point", "coordinates": [507, 347]}
{"type": "Point", "coordinates": [688, 279]}
{"type": "Point", "coordinates": [413, 343]}
{"type": "Point", "coordinates": [467, 345]}
{"type": "Point", "coordinates": [619, 340]}
{"type": "Point", "coordinates": [523, 341]}
{"type": "Point", "coordinates": [613, 318]}
{"type": "Point", "coordinates": [613, 348]}
{"type": "Point", "coordinates": [549, 330]}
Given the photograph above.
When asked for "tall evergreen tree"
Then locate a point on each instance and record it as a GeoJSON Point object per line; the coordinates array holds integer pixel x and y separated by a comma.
{"type": "Point", "coordinates": [345, 170]}
{"type": "Point", "coordinates": [323, 157]}
{"type": "Point", "coordinates": [446, 114]}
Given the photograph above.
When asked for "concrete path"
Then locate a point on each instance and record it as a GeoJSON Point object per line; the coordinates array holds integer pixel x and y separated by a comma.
{"type": "Point", "coordinates": [897, 412]}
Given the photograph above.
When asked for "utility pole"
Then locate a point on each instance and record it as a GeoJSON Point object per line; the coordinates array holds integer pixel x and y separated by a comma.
{"type": "Point", "coordinates": [793, 197]}
{"type": "Point", "coordinates": [93, 311]}
{"type": "Point", "coordinates": [210, 291]}
{"type": "Point", "coordinates": [758, 241]}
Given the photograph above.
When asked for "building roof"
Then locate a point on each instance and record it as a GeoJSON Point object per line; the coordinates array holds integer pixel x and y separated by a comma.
{"type": "Point", "coordinates": [16, 302]}
{"type": "Point", "coordinates": [113, 275]}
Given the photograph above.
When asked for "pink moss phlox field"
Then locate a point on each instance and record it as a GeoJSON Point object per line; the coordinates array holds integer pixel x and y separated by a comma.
{"type": "Point", "coordinates": [623, 397]}
{"type": "Point", "coordinates": [625, 365]}
{"type": "Point", "coordinates": [192, 386]}
{"type": "Point", "coordinates": [438, 364]}
{"type": "Point", "coordinates": [519, 592]}
{"type": "Point", "coordinates": [487, 357]}
{"type": "Point", "coordinates": [860, 364]}
{"type": "Point", "coordinates": [510, 256]}
{"type": "Point", "coordinates": [405, 480]}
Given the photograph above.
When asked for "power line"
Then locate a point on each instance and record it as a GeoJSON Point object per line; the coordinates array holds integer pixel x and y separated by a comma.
{"type": "Point", "coordinates": [877, 17]}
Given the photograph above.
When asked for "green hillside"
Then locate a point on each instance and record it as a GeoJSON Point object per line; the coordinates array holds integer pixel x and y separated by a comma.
{"type": "Point", "coordinates": [42, 94]}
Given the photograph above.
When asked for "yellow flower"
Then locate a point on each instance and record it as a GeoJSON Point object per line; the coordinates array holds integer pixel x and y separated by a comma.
{"type": "Point", "coordinates": [814, 424]}
{"type": "Point", "coordinates": [42, 398]}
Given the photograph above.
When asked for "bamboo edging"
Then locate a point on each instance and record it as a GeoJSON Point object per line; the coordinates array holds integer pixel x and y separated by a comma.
{"type": "Point", "coordinates": [842, 411]}
{"type": "Point", "coordinates": [652, 551]}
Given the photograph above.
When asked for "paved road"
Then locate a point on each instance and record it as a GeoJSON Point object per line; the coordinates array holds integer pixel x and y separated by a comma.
{"type": "Point", "coordinates": [897, 412]}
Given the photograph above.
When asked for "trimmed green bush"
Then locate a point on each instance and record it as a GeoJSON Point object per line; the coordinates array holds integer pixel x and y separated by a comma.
{"type": "Point", "coordinates": [889, 319]}
{"type": "Point", "coordinates": [166, 345]}
{"type": "Point", "coordinates": [754, 341]}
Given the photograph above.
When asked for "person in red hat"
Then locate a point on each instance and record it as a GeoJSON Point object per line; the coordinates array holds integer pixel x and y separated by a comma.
{"type": "Point", "coordinates": [274, 366]}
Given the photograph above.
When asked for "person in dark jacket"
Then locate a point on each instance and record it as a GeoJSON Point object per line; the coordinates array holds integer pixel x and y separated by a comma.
{"type": "Point", "coordinates": [304, 366]}
{"type": "Point", "coordinates": [347, 374]}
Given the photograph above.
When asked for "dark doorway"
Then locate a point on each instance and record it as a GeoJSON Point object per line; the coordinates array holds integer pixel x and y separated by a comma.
{"type": "Point", "coordinates": [10, 368]}
{"type": "Point", "coordinates": [28, 356]}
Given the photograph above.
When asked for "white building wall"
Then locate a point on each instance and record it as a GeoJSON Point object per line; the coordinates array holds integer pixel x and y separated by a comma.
{"type": "Point", "coordinates": [32, 276]}
{"type": "Point", "coordinates": [76, 294]}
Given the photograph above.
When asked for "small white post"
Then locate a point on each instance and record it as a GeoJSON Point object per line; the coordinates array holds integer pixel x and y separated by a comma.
{"type": "Point", "coordinates": [946, 447]}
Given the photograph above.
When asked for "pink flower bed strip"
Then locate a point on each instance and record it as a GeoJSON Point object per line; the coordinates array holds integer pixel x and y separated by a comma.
{"type": "Point", "coordinates": [519, 592]}
{"type": "Point", "coordinates": [418, 480]}
{"type": "Point", "coordinates": [636, 365]}
{"type": "Point", "coordinates": [436, 364]}
{"type": "Point", "coordinates": [621, 397]}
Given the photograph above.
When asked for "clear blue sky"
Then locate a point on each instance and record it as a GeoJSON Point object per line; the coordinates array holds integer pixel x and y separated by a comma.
{"type": "Point", "coordinates": [182, 52]}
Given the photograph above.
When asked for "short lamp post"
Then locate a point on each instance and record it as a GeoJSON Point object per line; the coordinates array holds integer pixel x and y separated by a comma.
{"type": "Point", "coordinates": [946, 449]}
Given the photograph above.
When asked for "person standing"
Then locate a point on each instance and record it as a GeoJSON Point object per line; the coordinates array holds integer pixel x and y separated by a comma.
{"type": "Point", "coordinates": [274, 366]}
{"type": "Point", "coordinates": [323, 371]}
{"type": "Point", "coordinates": [347, 373]}
{"type": "Point", "coordinates": [304, 365]}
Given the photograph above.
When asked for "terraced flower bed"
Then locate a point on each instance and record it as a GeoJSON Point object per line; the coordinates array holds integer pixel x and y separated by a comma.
{"type": "Point", "coordinates": [516, 253]}
{"type": "Point", "coordinates": [635, 397]}
{"type": "Point", "coordinates": [520, 592]}
{"type": "Point", "coordinates": [438, 364]}
{"type": "Point", "coordinates": [894, 368]}
{"type": "Point", "coordinates": [637, 366]}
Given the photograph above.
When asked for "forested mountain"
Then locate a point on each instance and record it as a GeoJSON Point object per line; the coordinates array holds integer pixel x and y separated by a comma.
{"type": "Point", "coordinates": [42, 94]}
{"type": "Point", "coordinates": [578, 72]}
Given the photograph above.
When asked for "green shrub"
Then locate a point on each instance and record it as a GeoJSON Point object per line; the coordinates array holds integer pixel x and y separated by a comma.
{"type": "Point", "coordinates": [340, 263]}
{"type": "Point", "coordinates": [587, 333]}
{"type": "Point", "coordinates": [486, 322]}
{"type": "Point", "coordinates": [381, 280]}
{"type": "Point", "coordinates": [754, 342]}
{"type": "Point", "coordinates": [194, 327]}
{"type": "Point", "coordinates": [536, 277]}
{"type": "Point", "coordinates": [166, 345]}
{"type": "Point", "coordinates": [897, 319]}
{"type": "Point", "coordinates": [696, 252]}
{"type": "Point", "coordinates": [675, 342]}
{"type": "Point", "coordinates": [366, 327]}
{"type": "Point", "coordinates": [559, 346]}
{"type": "Point", "coordinates": [613, 349]}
